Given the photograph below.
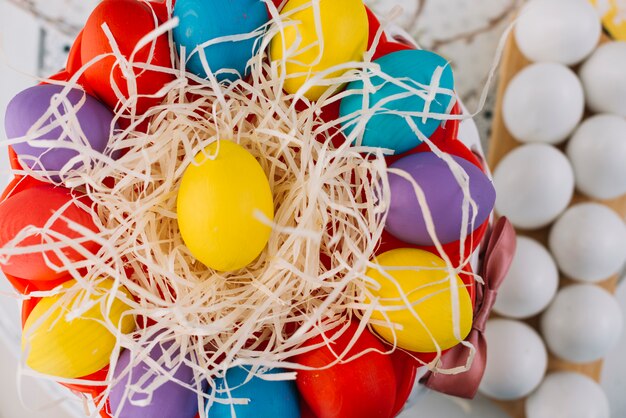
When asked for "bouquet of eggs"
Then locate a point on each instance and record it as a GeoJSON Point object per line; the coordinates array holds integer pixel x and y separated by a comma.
{"type": "Point", "coordinates": [242, 208]}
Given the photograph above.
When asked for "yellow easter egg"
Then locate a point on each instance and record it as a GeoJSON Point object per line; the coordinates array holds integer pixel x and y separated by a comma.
{"type": "Point", "coordinates": [425, 285]}
{"type": "Point", "coordinates": [74, 348]}
{"type": "Point", "coordinates": [344, 34]}
{"type": "Point", "coordinates": [218, 198]}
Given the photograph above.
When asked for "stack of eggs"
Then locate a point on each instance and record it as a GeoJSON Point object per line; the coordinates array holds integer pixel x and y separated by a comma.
{"type": "Point", "coordinates": [543, 107]}
{"type": "Point", "coordinates": [440, 203]}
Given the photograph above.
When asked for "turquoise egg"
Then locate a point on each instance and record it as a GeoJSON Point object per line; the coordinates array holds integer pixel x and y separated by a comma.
{"type": "Point", "coordinates": [205, 20]}
{"type": "Point", "coordinates": [267, 399]}
{"type": "Point", "coordinates": [384, 129]}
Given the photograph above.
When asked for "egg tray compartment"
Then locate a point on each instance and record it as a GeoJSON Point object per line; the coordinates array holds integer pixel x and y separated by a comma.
{"type": "Point", "coordinates": [501, 144]}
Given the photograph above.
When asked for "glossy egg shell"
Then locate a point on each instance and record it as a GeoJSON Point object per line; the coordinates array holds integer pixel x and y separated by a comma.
{"type": "Point", "coordinates": [128, 21]}
{"type": "Point", "coordinates": [27, 107]}
{"type": "Point", "coordinates": [77, 347]}
{"type": "Point", "coordinates": [345, 30]}
{"type": "Point", "coordinates": [202, 21]}
{"type": "Point", "coordinates": [385, 129]}
{"type": "Point", "coordinates": [406, 218]}
{"type": "Point", "coordinates": [267, 398]}
{"type": "Point", "coordinates": [35, 206]}
{"type": "Point", "coordinates": [364, 387]}
{"type": "Point", "coordinates": [217, 204]}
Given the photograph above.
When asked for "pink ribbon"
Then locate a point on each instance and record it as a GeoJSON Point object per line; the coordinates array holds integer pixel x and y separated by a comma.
{"type": "Point", "coordinates": [496, 263]}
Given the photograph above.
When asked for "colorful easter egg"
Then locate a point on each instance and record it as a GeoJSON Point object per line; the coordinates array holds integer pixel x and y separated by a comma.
{"type": "Point", "coordinates": [426, 90]}
{"type": "Point", "coordinates": [266, 398]}
{"type": "Point", "coordinates": [129, 21]}
{"type": "Point", "coordinates": [204, 21]}
{"type": "Point", "coordinates": [307, 52]}
{"type": "Point", "coordinates": [90, 127]}
{"type": "Point", "coordinates": [425, 285]}
{"type": "Point", "coordinates": [363, 387]}
{"type": "Point", "coordinates": [221, 195]}
{"type": "Point", "coordinates": [74, 347]}
{"type": "Point", "coordinates": [170, 399]}
{"type": "Point", "coordinates": [444, 195]}
{"type": "Point", "coordinates": [34, 207]}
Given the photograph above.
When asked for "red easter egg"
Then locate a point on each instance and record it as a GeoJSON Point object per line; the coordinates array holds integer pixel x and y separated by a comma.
{"type": "Point", "coordinates": [160, 9]}
{"type": "Point", "coordinates": [34, 207]}
{"type": "Point", "coordinates": [128, 21]}
{"type": "Point", "coordinates": [25, 287]}
{"type": "Point", "coordinates": [74, 61]}
{"type": "Point", "coordinates": [305, 410]}
{"type": "Point", "coordinates": [405, 368]}
{"type": "Point", "coordinates": [18, 184]}
{"type": "Point", "coordinates": [365, 387]}
{"type": "Point", "coordinates": [374, 27]}
{"type": "Point", "coordinates": [386, 48]}
{"type": "Point", "coordinates": [14, 161]}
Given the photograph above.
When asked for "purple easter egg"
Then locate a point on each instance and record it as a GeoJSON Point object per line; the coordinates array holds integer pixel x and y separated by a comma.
{"type": "Point", "coordinates": [168, 400]}
{"type": "Point", "coordinates": [30, 105]}
{"type": "Point", "coordinates": [444, 195]}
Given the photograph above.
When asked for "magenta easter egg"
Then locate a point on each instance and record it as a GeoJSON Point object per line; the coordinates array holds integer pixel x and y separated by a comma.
{"type": "Point", "coordinates": [90, 126]}
{"type": "Point", "coordinates": [444, 195]}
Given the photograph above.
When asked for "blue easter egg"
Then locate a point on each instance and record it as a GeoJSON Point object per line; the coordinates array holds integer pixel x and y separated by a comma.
{"type": "Point", "coordinates": [384, 129]}
{"type": "Point", "coordinates": [267, 399]}
{"type": "Point", "coordinates": [205, 20]}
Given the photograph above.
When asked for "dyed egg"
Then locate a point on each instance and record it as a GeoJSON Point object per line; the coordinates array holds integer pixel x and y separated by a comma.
{"type": "Point", "coordinates": [128, 21]}
{"type": "Point", "coordinates": [425, 284]}
{"type": "Point", "coordinates": [583, 323]}
{"type": "Point", "coordinates": [420, 71]}
{"type": "Point", "coordinates": [597, 152]}
{"type": "Point", "coordinates": [563, 31]}
{"type": "Point", "coordinates": [94, 119]}
{"type": "Point", "coordinates": [517, 360]}
{"type": "Point", "coordinates": [344, 36]}
{"type": "Point", "coordinates": [568, 394]}
{"type": "Point", "coordinates": [444, 195]}
{"type": "Point", "coordinates": [363, 387]}
{"type": "Point", "coordinates": [202, 21]}
{"type": "Point", "coordinates": [266, 398]}
{"type": "Point", "coordinates": [602, 76]}
{"type": "Point", "coordinates": [34, 207]}
{"type": "Point", "coordinates": [531, 282]}
{"type": "Point", "coordinates": [543, 103]}
{"type": "Point", "coordinates": [588, 242]}
{"type": "Point", "coordinates": [168, 400]}
{"type": "Point", "coordinates": [72, 348]}
{"type": "Point", "coordinates": [534, 184]}
{"type": "Point", "coordinates": [218, 203]}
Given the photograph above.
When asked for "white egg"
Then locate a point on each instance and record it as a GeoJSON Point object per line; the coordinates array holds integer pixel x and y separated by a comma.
{"type": "Point", "coordinates": [583, 323]}
{"type": "Point", "coordinates": [531, 282]}
{"type": "Point", "coordinates": [604, 79]}
{"type": "Point", "coordinates": [516, 360]}
{"type": "Point", "coordinates": [543, 103]}
{"type": "Point", "coordinates": [563, 31]}
{"type": "Point", "coordinates": [534, 184]}
{"type": "Point", "coordinates": [597, 152]}
{"type": "Point", "coordinates": [567, 395]}
{"type": "Point", "coordinates": [589, 242]}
